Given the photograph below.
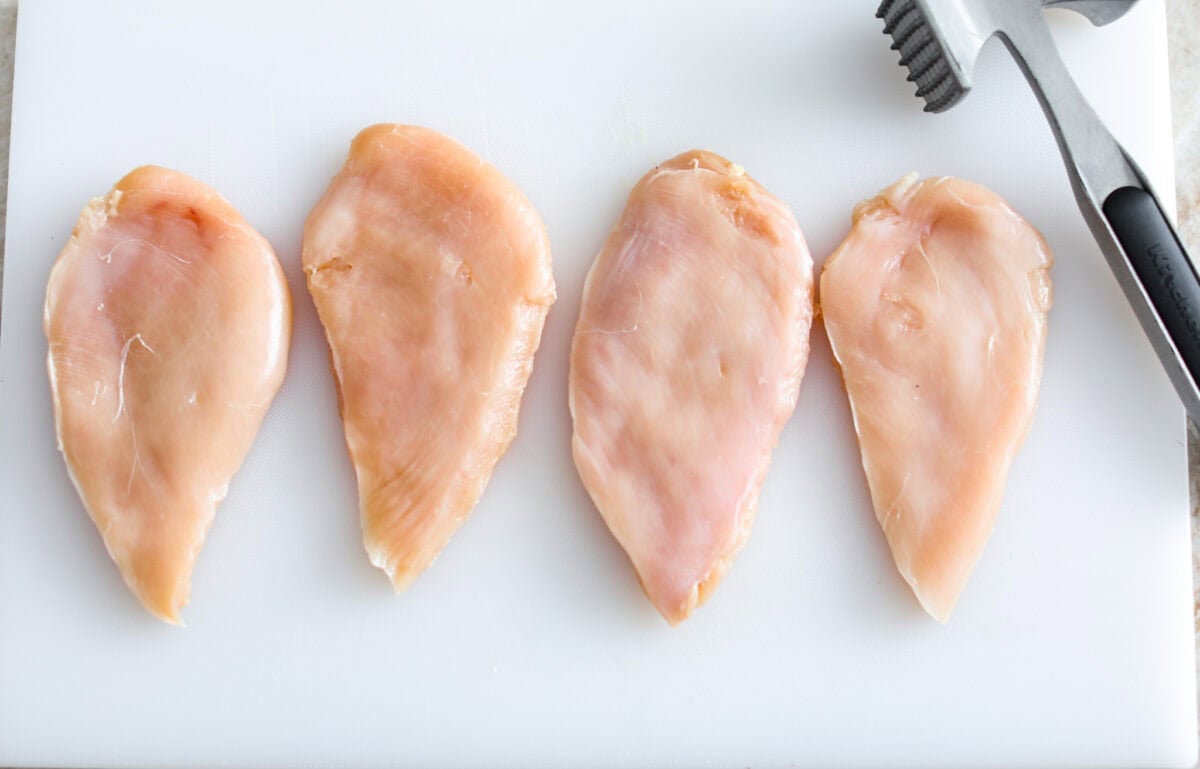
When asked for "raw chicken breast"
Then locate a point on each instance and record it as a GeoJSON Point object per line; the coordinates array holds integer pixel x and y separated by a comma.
{"type": "Point", "coordinates": [431, 274]}
{"type": "Point", "coordinates": [935, 305]}
{"type": "Point", "coordinates": [686, 363]}
{"type": "Point", "coordinates": [168, 320]}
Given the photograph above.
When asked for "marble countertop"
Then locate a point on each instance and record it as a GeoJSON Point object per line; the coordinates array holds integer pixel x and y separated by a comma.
{"type": "Point", "coordinates": [1184, 52]}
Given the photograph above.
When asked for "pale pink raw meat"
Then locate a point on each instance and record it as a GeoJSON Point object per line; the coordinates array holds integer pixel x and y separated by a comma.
{"type": "Point", "coordinates": [686, 362]}
{"type": "Point", "coordinates": [168, 320]}
{"type": "Point", "coordinates": [431, 274]}
{"type": "Point", "coordinates": [935, 305]}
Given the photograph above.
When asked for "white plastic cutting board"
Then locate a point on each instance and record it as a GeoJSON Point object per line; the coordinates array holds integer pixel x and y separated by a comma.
{"type": "Point", "coordinates": [529, 644]}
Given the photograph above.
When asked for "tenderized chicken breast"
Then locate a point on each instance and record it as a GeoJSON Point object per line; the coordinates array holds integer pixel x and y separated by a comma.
{"type": "Point", "coordinates": [168, 320]}
{"type": "Point", "coordinates": [935, 305]}
{"type": "Point", "coordinates": [686, 362]}
{"type": "Point", "coordinates": [431, 274]}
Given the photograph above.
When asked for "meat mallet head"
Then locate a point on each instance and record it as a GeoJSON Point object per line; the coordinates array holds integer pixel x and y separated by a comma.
{"type": "Point", "coordinates": [940, 40]}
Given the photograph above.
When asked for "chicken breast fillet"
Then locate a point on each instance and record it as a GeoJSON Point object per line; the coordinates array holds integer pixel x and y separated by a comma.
{"type": "Point", "coordinates": [431, 274]}
{"type": "Point", "coordinates": [686, 362]}
{"type": "Point", "coordinates": [935, 305]}
{"type": "Point", "coordinates": [168, 320]}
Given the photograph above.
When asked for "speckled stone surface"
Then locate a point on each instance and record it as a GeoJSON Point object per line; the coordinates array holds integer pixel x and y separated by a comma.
{"type": "Point", "coordinates": [1183, 44]}
{"type": "Point", "coordinates": [1184, 51]}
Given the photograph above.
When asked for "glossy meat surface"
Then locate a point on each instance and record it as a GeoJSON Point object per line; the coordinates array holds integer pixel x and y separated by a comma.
{"type": "Point", "coordinates": [687, 358]}
{"type": "Point", "coordinates": [935, 305]}
{"type": "Point", "coordinates": [431, 275]}
{"type": "Point", "coordinates": [168, 320]}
